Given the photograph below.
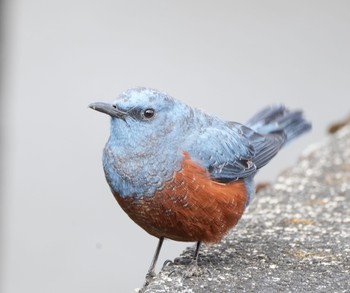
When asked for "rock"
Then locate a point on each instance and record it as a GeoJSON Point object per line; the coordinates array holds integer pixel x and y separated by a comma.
{"type": "Point", "coordinates": [295, 236]}
{"type": "Point", "coordinates": [338, 125]}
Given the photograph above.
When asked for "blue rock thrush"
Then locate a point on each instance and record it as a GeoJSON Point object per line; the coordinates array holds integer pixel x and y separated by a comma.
{"type": "Point", "coordinates": [185, 175]}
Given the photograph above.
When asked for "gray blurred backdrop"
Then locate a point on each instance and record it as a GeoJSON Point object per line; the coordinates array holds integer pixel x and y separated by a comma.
{"type": "Point", "coordinates": [62, 229]}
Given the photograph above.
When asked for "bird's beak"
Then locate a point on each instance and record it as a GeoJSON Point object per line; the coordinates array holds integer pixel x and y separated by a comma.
{"type": "Point", "coordinates": [109, 109]}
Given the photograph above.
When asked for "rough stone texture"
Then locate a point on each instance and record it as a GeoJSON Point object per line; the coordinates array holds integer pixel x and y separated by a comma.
{"type": "Point", "coordinates": [295, 237]}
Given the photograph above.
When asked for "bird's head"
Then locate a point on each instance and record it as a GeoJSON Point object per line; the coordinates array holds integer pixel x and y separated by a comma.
{"type": "Point", "coordinates": [145, 114]}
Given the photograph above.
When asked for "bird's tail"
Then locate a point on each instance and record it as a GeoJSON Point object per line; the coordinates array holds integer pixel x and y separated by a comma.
{"type": "Point", "coordinates": [278, 119]}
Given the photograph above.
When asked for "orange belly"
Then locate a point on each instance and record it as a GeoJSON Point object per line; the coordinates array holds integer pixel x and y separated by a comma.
{"type": "Point", "coordinates": [190, 206]}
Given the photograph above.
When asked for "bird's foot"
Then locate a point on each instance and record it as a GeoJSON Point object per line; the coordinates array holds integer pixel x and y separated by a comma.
{"type": "Point", "coordinates": [194, 270]}
{"type": "Point", "coordinates": [178, 261]}
{"type": "Point", "coordinates": [167, 263]}
{"type": "Point", "coordinates": [149, 277]}
{"type": "Point", "coordinates": [185, 260]}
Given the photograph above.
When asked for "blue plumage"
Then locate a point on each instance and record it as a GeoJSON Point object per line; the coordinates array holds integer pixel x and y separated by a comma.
{"type": "Point", "coordinates": [142, 153]}
{"type": "Point", "coordinates": [185, 175]}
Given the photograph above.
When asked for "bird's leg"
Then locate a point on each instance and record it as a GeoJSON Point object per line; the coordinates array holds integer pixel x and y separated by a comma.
{"type": "Point", "coordinates": [194, 270]}
{"type": "Point", "coordinates": [186, 260]}
{"type": "Point", "coordinates": [151, 271]}
{"type": "Point", "coordinates": [192, 264]}
{"type": "Point", "coordinates": [196, 253]}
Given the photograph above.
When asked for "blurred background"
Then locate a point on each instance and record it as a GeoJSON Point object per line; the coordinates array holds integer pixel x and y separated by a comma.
{"type": "Point", "coordinates": [61, 229]}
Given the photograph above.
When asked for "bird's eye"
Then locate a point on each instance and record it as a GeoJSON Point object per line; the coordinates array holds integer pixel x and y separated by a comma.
{"type": "Point", "coordinates": [148, 113]}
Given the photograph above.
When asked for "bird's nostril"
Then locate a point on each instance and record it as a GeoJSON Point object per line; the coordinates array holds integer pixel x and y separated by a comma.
{"type": "Point", "coordinates": [114, 106]}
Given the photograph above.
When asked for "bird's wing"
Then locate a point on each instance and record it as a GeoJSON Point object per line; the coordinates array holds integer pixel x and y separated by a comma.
{"type": "Point", "coordinates": [232, 152]}
{"type": "Point", "coordinates": [225, 152]}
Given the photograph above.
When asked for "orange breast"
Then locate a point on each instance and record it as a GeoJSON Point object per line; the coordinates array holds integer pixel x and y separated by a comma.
{"type": "Point", "coordinates": [190, 207]}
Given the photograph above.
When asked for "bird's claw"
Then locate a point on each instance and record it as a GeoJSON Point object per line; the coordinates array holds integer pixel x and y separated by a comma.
{"type": "Point", "coordinates": [195, 270]}
{"type": "Point", "coordinates": [183, 260]}
{"type": "Point", "coordinates": [149, 277]}
{"type": "Point", "coordinates": [167, 263]}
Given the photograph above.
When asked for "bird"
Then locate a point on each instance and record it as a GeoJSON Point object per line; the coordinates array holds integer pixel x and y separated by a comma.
{"type": "Point", "coordinates": [183, 174]}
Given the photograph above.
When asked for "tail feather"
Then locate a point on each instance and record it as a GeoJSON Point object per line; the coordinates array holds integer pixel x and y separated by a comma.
{"type": "Point", "coordinates": [277, 126]}
{"type": "Point", "coordinates": [278, 118]}
{"type": "Point", "coordinates": [267, 115]}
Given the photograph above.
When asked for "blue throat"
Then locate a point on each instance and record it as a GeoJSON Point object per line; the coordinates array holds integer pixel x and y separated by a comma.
{"type": "Point", "coordinates": [136, 162]}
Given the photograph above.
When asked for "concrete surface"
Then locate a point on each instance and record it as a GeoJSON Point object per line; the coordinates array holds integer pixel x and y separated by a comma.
{"type": "Point", "coordinates": [295, 237]}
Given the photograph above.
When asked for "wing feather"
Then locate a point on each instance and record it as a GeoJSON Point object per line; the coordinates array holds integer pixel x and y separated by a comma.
{"type": "Point", "coordinates": [233, 152]}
